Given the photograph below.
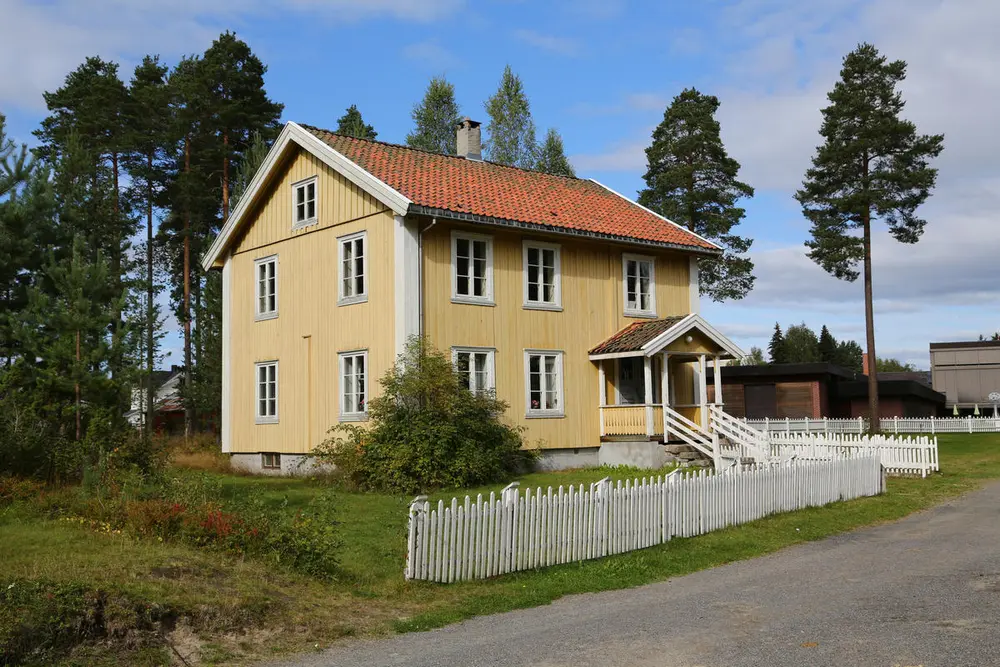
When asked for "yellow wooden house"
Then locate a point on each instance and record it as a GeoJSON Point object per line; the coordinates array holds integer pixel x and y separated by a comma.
{"type": "Point", "coordinates": [576, 305]}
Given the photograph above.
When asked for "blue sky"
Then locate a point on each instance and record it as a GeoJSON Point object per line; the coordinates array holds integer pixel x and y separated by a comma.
{"type": "Point", "coordinates": [602, 72]}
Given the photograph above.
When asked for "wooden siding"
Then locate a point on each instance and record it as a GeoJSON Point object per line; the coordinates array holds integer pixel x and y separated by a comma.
{"type": "Point", "coordinates": [795, 399]}
{"type": "Point", "coordinates": [311, 329]}
{"type": "Point", "coordinates": [592, 310]}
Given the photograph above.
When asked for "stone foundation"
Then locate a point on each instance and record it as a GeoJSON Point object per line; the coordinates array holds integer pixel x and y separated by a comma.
{"type": "Point", "coordinates": [566, 459]}
{"type": "Point", "coordinates": [291, 465]}
{"type": "Point", "coordinates": [637, 453]}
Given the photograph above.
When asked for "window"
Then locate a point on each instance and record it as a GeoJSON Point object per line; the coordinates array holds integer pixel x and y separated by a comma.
{"type": "Point", "coordinates": [475, 367]}
{"type": "Point", "coordinates": [639, 283]}
{"type": "Point", "coordinates": [472, 268]}
{"type": "Point", "coordinates": [353, 386]}
{"type": "Point", "coordinates": [270, 461]}
{"type": "Point", "coordinates": [267, 392]}
{"type": "Point", "coordinates": [544, 383]}
{"type": "Point", "coordinates": [541, 276]}
{"type": "Point", "coordinates": [267, 287]}
{"type": "Point", "coordinates": [304, 202]}
{"type": "Point", "coordinates": [353, 268]}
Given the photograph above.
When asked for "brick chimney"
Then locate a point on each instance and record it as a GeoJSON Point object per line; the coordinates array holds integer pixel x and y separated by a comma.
{"type": "Point", "coordinates": [864, 363]}
{"type": "Point", "coordinates": [470, 143]}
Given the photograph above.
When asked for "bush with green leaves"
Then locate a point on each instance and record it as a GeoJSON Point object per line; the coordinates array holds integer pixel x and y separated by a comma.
{"type": "Point", "coordinates": [426, 431]}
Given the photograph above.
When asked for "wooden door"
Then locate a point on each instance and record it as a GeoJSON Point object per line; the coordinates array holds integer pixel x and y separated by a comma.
{"type": "Point", "coordinates": [761, 401]}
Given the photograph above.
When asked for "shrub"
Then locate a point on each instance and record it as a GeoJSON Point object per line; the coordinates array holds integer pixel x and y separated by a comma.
{"type": "Point", "coordinates": [17, 489]}
{"type": "Point", "coordinates": [426, 431]}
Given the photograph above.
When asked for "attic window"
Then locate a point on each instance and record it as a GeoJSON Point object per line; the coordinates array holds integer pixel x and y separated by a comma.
{"type": "Point", "coordinates": [304, 203]}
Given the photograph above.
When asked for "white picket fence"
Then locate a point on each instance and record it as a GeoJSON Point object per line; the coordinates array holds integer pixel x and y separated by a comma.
{"type": "Point", "coordinates": [895, 425]}
{"type": "Point", "coordinates": [480, 538]}
{"type": "Point", "coordinates": [910, 455]}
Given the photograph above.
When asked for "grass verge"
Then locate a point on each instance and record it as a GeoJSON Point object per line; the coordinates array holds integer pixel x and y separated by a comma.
{"type": "Point", "coordinates": [148, 600]}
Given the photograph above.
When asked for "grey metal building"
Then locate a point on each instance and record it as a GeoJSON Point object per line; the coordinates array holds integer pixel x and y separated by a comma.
{"type": "Point", "coordinates": [967, 373]}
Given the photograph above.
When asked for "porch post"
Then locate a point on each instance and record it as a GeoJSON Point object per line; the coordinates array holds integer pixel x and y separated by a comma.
{"type": "Point", "coordinates": [602, 392]}
{"type": "Point", "coordinates": [647, 372]}
{"type": "Point", "coordinates": [718, 380]}
{"type": "Point", "coordinates": [702, 392]}
{"type": "Point", "coordinates": [665, 391]}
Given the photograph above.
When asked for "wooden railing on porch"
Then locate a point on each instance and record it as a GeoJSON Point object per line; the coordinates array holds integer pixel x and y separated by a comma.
{"type": "Point", "coordinates": [638, 420]}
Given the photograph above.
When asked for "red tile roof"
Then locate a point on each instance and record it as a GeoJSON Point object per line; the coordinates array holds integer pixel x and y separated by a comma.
{"type": "Point", "coordinates": [635, 335]}
{"type": "Point", "coordinates": [476, 188]}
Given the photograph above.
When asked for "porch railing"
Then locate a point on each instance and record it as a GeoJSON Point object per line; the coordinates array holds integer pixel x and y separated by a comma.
{"type": "Point", "coordinates": [638, 420]}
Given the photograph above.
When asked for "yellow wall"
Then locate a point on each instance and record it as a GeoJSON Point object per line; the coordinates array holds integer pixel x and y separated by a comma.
{"type": "Point", "coordinates": [310, 328]}
{"type": "Point", "coordinates": [592, 311]}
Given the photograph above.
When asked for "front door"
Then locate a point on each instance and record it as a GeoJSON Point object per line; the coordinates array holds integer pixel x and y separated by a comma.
{"type": "Point", "coordinates": [631, 381]}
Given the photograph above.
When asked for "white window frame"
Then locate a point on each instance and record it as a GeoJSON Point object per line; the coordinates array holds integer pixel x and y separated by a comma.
{"type": "Point", "coordinates": [305, 222]}
{"type": "Point", "coordinates": [638, 312]}
{"type": "Point", "coordinates": [538, 413]}
{"type": "Point", "coordinates": [491, 372]}
{"type": "Point", "coordinates": [258, 313]}
{"type": "Point", "coordinates": [556, 279]}
{"type": "Point", "coordinates": [345, 415]}
{"type": "Point", "coordinates": [342, 299]}
{"type": "Point", "coordinates": [275, 461]}
{"type": "Point", "coordinates": [258, 417]}
{"type": "Point", "coordinates": [487, 298]}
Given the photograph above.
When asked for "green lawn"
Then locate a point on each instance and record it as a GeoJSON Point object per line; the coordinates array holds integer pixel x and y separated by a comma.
{"type": "Point", "coordinates": [234, 612]}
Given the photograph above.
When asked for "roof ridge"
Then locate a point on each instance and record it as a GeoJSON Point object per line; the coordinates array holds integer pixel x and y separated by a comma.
{"type": "Point", "coordinates": [445, 155]}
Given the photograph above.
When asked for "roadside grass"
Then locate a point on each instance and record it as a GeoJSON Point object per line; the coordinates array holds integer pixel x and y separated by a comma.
{"type": "Point", "coordinates": [221, 610]}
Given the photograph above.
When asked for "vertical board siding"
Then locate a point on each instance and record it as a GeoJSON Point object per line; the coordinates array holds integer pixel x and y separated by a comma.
{"type": "Point", "coordinates": [542, 528]}
{"type": "Point", "coordinates": [592, 310]}
{"type": "Point", "coordinates": [311, 329]}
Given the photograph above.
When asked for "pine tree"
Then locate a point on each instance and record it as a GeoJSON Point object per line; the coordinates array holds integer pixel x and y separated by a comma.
{"type": "Point", "coordinates": [253, 158]}
{"type": "Point", "coordinates": [351, 124]}
{"type": "Point", "coordinates": [850, 355]}
{"type": "Point", "coordinates": [435, 118]}
{"type": "Point", "coordinates": [801, 345]}
{"type": "Point", "coordinates": [691, 180]}
{"type": "Point", "coordinates": [510, 128]}
{"type": "Point", "coordinates": [147, 127]}
{"type": "Point", "coordinates": [872, 165]}
{"type": "Point", "coordinates": [776, 348]}
{"type": "Point", "coordinates": [552, 157]}
{"type": "Point", "coordinates": [827, 346]}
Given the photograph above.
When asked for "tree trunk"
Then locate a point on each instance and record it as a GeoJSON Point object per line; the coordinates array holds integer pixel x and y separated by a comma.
{"type": "Point", "coordinates": [873, 413]}
{"type": "Point", "coordinates": [225, 175]}
{"type": "Point", "coordinates": [77, 387]}
{"type": "Point", "coordinates": [116, 278]}
{"type": "Point", "coordinates": [150, 324]}
{"type": "Point", "coordinates": [188, 406]}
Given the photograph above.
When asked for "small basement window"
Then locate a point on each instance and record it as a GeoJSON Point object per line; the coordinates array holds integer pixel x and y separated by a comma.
{"type": "Point", "coordinates": [270, 461]}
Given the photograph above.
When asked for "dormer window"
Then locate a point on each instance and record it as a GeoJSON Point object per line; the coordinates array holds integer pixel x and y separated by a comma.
{"type": "Point", "coordinates": [304, 202]}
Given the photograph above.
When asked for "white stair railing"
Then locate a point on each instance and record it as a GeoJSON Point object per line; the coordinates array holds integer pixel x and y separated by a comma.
{"type": "Point", "coordinates": [691, 433]}
{"type": "Point", "coordinates": [751, 442]}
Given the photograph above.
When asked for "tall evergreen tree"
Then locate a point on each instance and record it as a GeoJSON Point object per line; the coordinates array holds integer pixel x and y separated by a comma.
{"type": "Point", "coordinates": [691, 180]}
{"type": "Point", "coordinates": [801, 345]}
{"type": "Point", "coordinates": [351, 124]}
{"type": "Point", "coordinates": [511, 128]}
{"type": "Point", "coordinates": [148, 137]}
{"type": "Point", "coordinates": [872, 165]}
{"type": "Point", "coordinates": [552, 156]}
{"type": "Point", "coordinates": [435, 118]}
{"type": "Point", "coordinates": [253, 158]}
{"type": "Point", "coordinates": [850, 355]}
{"type": "Point", "coordinates": [776, 348]}
{"type": "Point", "coordinates": [828, 347]}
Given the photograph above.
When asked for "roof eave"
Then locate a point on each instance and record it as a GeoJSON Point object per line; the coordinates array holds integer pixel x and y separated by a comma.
{"type": "Point", "coordinates": [552, 229]}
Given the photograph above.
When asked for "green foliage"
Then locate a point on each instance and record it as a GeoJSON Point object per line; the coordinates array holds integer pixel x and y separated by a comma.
{"type": "Point", "coordinates": [252, 160]}
{"type": "Point", "coordinates": [828, 347]}
{"type": "Point", "coordinates": [893, 366]}
{"type": "Point", "coordinates": [776, 348]}
{"type": "Point", "coordinates": [692, 180]}
{"type": "Point", "coordinates": [850, 355]}
{"type": "Point", "coordinates": [801, 345]}
{"type": "Point", "coordinates": [755, 358]}
{"type": "Point", "coordinates": [426, 431]}
{"type": "Point", "coordinates": [511, 128]}
{"type": "Point", "coordinates": [351, 124]}
{"type": "Point", "coordinates": [435, 119]}
{"type": "Point", "coordinates": [552, 157]}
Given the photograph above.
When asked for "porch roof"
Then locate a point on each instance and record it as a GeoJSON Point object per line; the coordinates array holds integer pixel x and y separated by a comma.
{"type": "Point", "coordinates": [650, 337]}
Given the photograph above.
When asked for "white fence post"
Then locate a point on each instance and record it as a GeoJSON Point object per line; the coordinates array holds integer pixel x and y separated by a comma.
{"type": "Point", "coordinates": [970, 423]}
{"type": "Point", "coordinates": [861, 425]}
{"type": "Point", "coordinates": [416, 534]}
{"type": "Point", "coordinates": [932, 424]}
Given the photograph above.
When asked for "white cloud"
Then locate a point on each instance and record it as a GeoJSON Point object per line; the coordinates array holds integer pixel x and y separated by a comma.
{"type": "Point", "coordinates": [432, 55]}
{"type": "Point", "coordinates": [44, 41]}
{"type": "Point", "coordinates": [563, 46]}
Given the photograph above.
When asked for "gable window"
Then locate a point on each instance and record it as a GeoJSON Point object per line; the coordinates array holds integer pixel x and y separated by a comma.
{"type": "Point", "coordinates": [472, 268]}
{"type": "Point", "coordinates": [270, 461]}
{"type": "Point", "coordinates": [304, 202]}
{"type": "Point", "coordinates": [543, 383]}
{"type": "Point", "coordinates": [354, 386]}
{"type": "Point", "coordinates": [267, 392]}
{"type": "Point", "coordinates": [266, 270]}
{"type": "Point", "coordinates": [542, 276]}
{"type": "Point", "coordinates": [475, 367]}
{"type": "Point", "coordinates": [353, 271]}
{"type": "Point", "coordinates": [639, 285]}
